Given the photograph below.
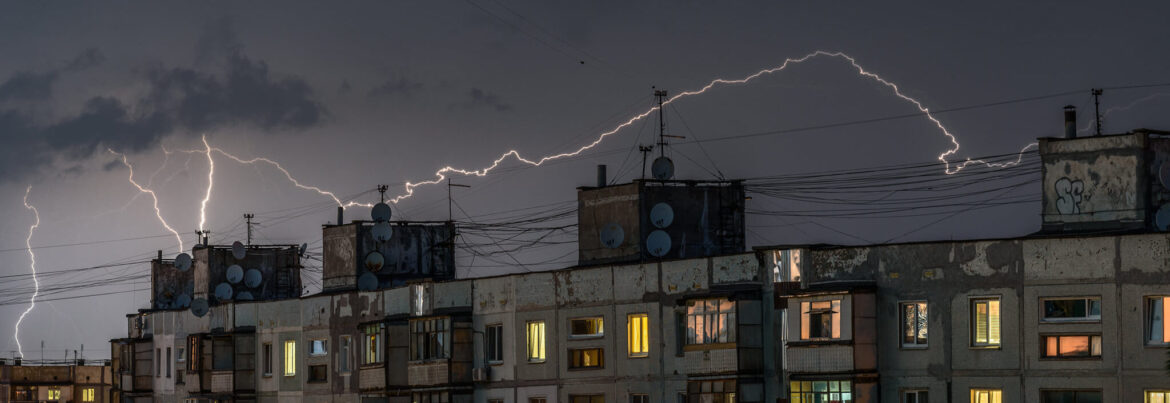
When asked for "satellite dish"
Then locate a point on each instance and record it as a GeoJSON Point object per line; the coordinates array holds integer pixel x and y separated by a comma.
{"type": "Point", "coordinates": [658, 243]}
{"type": "Point", "coordinates": [380, 212]}
{"type": "Point", "coordinates": [234, 274]}
{"type": "Point", "coordinates": [199, 307]}
{"type": "Point", "coordinates": [244, 296]}
{"type": "Point", "coordinates": [382, 231]}
{"type": "Point", "coordinates": [368, 282]}
{"type": "Point", "coordinates": [182, 301]}
{"type": "Point", "coordinates": [1162, 217]}
{"type": "Point", "coordinates": [163, 300]}
{"type": "Point", "coordinates": [662, 169]}
{"type": "Point", "coordinates": [304, 247]}
{"type": "Point", "coordinates": [661, 215]}
{"type": "Point", "coordinates": [252, 278]}
{"type": "Point", "coordinates": [612, 235]}
{"type": "Point", "coordinates": [224, 291]}
{"type": "Point", "coordinates": [374, 261]}
{"type": "Point", "coordinates": [238, 250]}
{"type": "Point", "coordinates": [183, 262]}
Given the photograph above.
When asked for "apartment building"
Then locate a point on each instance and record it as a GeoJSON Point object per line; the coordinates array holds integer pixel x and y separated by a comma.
{"type": "Point", "coordinates": [77, 382]}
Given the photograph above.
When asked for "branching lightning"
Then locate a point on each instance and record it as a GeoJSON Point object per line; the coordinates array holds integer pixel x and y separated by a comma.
{"type": "Point", "coordinates": [210, 184]}
{"type": "Point", "coordinates": [1110, 110]}
{"type": "Point", "coordinates": [153, 196]}
{"type": "Point", "coordinates": [32, 266]}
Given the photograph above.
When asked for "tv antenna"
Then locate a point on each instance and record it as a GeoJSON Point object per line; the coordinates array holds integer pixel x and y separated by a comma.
{"type": "Point", "coordinates": [1097, 107]}
{"type": "Point", "coordinates": [382, 192]}
{"type": "Point", "coordinates": [645, 150]}
{"type": "Point", "coordinates": [660, 96]}
{"type": "Point", "coordinates": [450, 216]}
{"type": "Point", "coordinates": [248, 219]}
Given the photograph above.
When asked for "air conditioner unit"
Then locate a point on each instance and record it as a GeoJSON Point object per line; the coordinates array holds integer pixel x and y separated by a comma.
{"type": "Point", "coordinates": [480, 374]}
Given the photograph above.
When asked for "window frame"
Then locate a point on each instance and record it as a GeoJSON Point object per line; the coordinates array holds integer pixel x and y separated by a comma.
{"type": "Point", "coordinates": [638, 347]}
{"type": "Point", "coordinates": [373, 352]}
{"type": "Point", "coordinates": [493, 335]}
{"type": "Point", "coordinates": [266, 357]}
{"type": "Point", "coordinates": [917, 393]}
{"type": "Point", "coordinates": [1147, 319]}
{"type": "Point", "coordinates": [430, 339]}
{"type": "Point", "coordinates": [590, 398]}
{"type": "Point", "coordinates": [54, 393]}
{"type": "Point", "coordinates": [573, 365]}
{"type": "Point", "coordinates": [1075, 393]}
{"type": "Point", "coordinates": [600, 327]}
{"type": "Point", "coordinates": [88, 394]}
{"type": "Point", "coordinates": [994, 395]}
{"type": "Point", "coordinates": [915, 345]}
{"type": "Point", "coordinates": [1088, 318]}
{"type": "Point", "coordinates": [169, 362]}
{"type": "Point", "coordinates": [1164, 392]}
{"type": "Point", "coordinates": [314, 343]}
{"type": "Point", "coordinates": [345, 354]}
{"type": "Point", "coordinates": [725, 336]}
{"type": "Point", "coordinates": [289, 358]}
{"type": "Point", "coordinates": [530, 345]}
{"type": "Point", "coordinates": [324, 371]}
{"type": "Point", "coordinates": [798, 394]}
{"type": "Point", "coordinates": [974, 331]}
{"type": "Point", "coordinates": [1044, 346]}
{"type": "Point", "coordinates": [639, 398]}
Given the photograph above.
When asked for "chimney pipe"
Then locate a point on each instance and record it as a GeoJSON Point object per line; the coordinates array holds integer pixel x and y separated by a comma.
{"type": "Point", "coordinates": [601, 176]}
{"type": "Point", "coordinates": [340, 215]}
{"type": "Point", "coordinates": [1070, 122]}
{"type": "Point", "coordinates": [160, 255]}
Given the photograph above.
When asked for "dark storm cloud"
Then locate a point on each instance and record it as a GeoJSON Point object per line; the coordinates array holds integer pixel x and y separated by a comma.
{"type": "Point", "coordinates": [89, 58]}
{"type": "Point", "coordinates": [38, 85]}
{"type": "Point", "coordinates": [398, 86]}
{"type": "Point", "coordinates": [478, 98]}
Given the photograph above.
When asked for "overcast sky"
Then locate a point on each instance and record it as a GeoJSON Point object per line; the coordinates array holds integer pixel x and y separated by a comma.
{"type": "Point", "coordinates": [354, 95]}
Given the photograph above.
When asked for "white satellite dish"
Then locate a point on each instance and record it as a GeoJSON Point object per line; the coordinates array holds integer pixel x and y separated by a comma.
{"type": "Point", "coordinates": [375, 261]}
{"type": "Point", "coordinates": [234, 274]}
{"type": "Point", "coordinates": [253, 278]}
{"type": "Point", "coordinates": [224, 292]}
{"type": "Point", "coordinates": [380, 212]}
{"type": "Point", "coordinates": [612, 235]}
{"type": "Point", "coordinates": [239, 250]}
{"type": "Point", "coordinates": [368, 282]}
{"type": "Point", "coordinates": [182, 301]}
{"type": "Point", "coordinates": [244, 296]}
{"type": "Point", "coordinates": [183, 262]}
{"type": "Point", "coordinates": [661, 215]}
{"type": "Point", "coordinates": [662, 169]}
{"type": "Point", "coordinates": [382, 231]}
{"type": "Point", "coordinates": [658, 243]}
{"type": "Point", "coordinates": [199, 307]}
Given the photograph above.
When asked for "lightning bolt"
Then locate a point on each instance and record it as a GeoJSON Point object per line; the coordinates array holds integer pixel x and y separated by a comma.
{"type": "Point", "coordinates": [1108, 111]}
{"type": "Point", "coordinates": [210, 184]}
{"type": "Point", "coordinates": [153, 196]}
{"type": "Point", "coordinates": [33, 266]}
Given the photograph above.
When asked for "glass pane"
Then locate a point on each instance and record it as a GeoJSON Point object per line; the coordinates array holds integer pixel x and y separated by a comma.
{"type": "Point", "coordinates": [1095, 308]}
{"type": "Point", "coordinates": [1074, 346]}
{"type": "Point", "coordinates": [980, 318]}
{"type": "Point", "coordinates": [922, 323]}
{"type": "Point", "coordinates": [1095, 349]}
{"type": "Point", "coordinates": [1050, 349]}
{"type": "Point", "coordinates": [993, 322]}
{"type": "Point", "coordinates": [908, 323]}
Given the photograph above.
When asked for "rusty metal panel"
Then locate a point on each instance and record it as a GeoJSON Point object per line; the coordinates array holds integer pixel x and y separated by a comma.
{"type": "Point", "coordinates": [708, 217]}
{"type": "Point", "coordinates": [599, 207]}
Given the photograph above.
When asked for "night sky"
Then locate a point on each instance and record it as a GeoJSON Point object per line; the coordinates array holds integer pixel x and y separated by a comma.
{"type": "Point", "coordinates": [349, 96]}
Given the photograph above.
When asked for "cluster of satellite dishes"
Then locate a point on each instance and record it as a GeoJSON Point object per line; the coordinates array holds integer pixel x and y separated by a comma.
{"type": "Point", "coordinates": [238, 285]}
{"type": "Point", "coordinates": [658, 243]}
{"type": "Point", "coordinates": [382, 232]}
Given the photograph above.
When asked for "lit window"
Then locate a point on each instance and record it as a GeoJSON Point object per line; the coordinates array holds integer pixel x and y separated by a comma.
{"type": "Point", "coordinates": [638, 335]}
{"type": "Point", "coordinates": [88, 394]}
{"type": "Point", "coordinates": [428, 339]}
{"type": "Point", "coordinates": [266, 351]}
{"type": "Point", "coordinates": [915, 396]}
{"type": "Point", "coordinates": [986, 396]}
{"type": "Point", "coordinates": [639, 398]}
{"type": "Point", "coordinates": [290, 358]}
{"type": "Point", "coordinates": [1072, 346]}
{"type": "Point", "coordinates": [586, 327]}
{"type": "Point", "coordinates": [1072, 309]}
{"type": "Point", "coordinates": [710, 321]}
{"type": "Point", "coordinates": [821, 391]}
{"type": "Point", "coordinates": [536, 341]}
{"type": "Point", "coordinates": [1157, 327]}
{"type": "Point", "coordinates": [586, 358]}
{"type": "Point", "coordinates": [495, 343]}
{"type": "Point", "coordinates": [194, 347]}
{"type": "Point", "coordinates": [985, 322]}
{"type": "Point", "coordinates": [1070, 396]}
{"type": "Point", "coordinates": [318, 347]}
{"type": "Point", "coordinates": [343, 354]}
{"type": "Point", "coordinates": [586, 398]}
{"type": "Point", "coordinates": [54, 393]}
{"type": "Point", "coordinates": [914, 324]}
{"type": "Point", "coordinates": [1157, 396]}
{"type": "Point", "coordinates": [820, 319]}
{"type": "Point", "coordinates": [373, 345]}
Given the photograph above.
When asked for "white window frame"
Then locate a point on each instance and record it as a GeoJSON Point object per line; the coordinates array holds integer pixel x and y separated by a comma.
{"type": "Point", "coordinates": [919, 306]}
{"type": "Point", "coordinates": [313, 347]}
{"type": "Point", "coordinates": [807, 310]}
{"type": "Point", "coordinates": [974, 303]}
{"type": "Point", "coordinates": [915, 395]}
{"type": "Point", "coordinates": [1089, 317]}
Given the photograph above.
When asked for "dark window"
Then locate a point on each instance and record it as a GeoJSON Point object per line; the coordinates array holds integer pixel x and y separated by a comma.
{"type": "Point", "coordinates": [318, 373]}
{"type": "Point", "coordinates": [221, 354]}
{"type": "Point", "coordinates": [1070, 396]}
{"type": "Point", "coordinates": [581, 358]}
{"type": "Point", "coordinates": [266, 356]}
{"type": "Point", "coordinates": [717, 391]}
{"type": "Point", "coordinates": [915, 396]}
{"type": "Point", "coordinates": [168, 362]}
{"type": "Point", "coordinates": [429, 397]}
{"type": "Point", "coordinates": [1077, 346]}
{"type": "Point", "coordinates": [639, 398]}
{"type": "Point", "coordinates": [343, 355]}
{"type": "Point", "coordinates": [586, 398]}
{"type": "Point", "coordinates": [1072, 309]}
{"type": "Point", "coordinates": [428, 339]}
{"type": "Point", "coordinates": [495, 343]}
{"type": "Point", "coordinates": [586, 327]}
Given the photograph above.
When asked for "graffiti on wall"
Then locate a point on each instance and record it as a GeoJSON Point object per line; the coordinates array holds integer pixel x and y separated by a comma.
{"type": "Point", "coordinates": [1069, 194]}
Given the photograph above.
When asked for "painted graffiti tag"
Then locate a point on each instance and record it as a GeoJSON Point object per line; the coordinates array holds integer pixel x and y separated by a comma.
{"type": "Point", "coordinates": [1068, 195]}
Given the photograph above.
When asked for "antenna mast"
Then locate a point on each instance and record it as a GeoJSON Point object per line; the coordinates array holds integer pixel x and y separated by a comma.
{"type": "Point", "coordinates": [450, 215]}
{"type": "Point", "coordinates": [1097, 107]}
{"type": "Point", "coordinates": [248, 219]}
{"type": "Point", "coordinates": [660, 95]}
{"type": "Point", "coordinates": [645, 150]}
{"type": "Point", "coordinates": [382, 192]}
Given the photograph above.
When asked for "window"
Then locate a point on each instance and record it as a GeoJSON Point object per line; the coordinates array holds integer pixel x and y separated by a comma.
{"type": "Point", "coordinates": [637, 335]}
{"type": "Point", "coordinates": [682, 397]}
{"type": "Point", "coordinates": [290, 358]}
{"type": "Point", "coordinates": [985, 322]}
{"type": "Point", "coordinates": [157, 362]}
{"type": "Point", "coordinates": [820, 319]}
{"type": "Point", "coordinates": [915, 396]}
{"type": "Point", "coordinates": [343, 355]}
{"type": "Point", "coordinates": [986, 396]}
{"type": "Point", "coordinates": [222, 358]}
{"type": "Point", "coordinates": [428, 339]}
{"type": "Point", "coordinates": [710, 321]}
{"type": "Point", "coordinates": [168, 362]}
{"type": "Point", "coordinates": [914, 324]}
{"type": "Point", "coordinates": [1074, 346]}
{"type": "Point", "coordinates": [586, 358]}
{"type": "Point", "coordinates": [266, 355]}
{"type": "Point", "coordinates": [537, 400]}
{"type": "Point", "coordinates": [193, 353]}
{"type": "Point", "coordinates": [586, 327]}
{"type": "Point", "coordinates": [495, 400]}
{"type": "Point", "coordinates": [55, 392]}
{"type": "Point", "coordinates": [1070, 396]}
{"type": "Point", "coordinates": [639, 398]}
{"type": "Point", "coordinates": [1157, 327]}
{"type": "Point", "coordinates": [88, 395]}
{"type": "Point", "coordinates": [536, 341]}
{"type": "Point", "coordinates": [495, 343]}
{"type": "Point", "coordinates": [586, 398]}
{"type": "Point", "coordinates": [318, 347]}
{"type": "Point", "coordinates": [1157, 396]}
{"type": "Point", "coordinates": [1072, 309]}
{"type": "Point", "coordinates": [21, 392]}
{"type": "Point", "coordinates": [180, 364]}
{"type": "Point", "coordinates": [821, 391]}
{"type": "Point", "coordinates": [429, 397]}
{"type": "Point", "coordinates": [318, 373]}
{"type": "Point", "coordinates": [372, 350]}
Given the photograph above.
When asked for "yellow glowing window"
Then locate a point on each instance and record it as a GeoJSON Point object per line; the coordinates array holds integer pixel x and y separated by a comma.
{"type": "Point", "coordinates": [87, 395]}
{"type": "Point", "coordinates": [290, 357]}
{"type": "Point", "coordinates": [54, 393]}
{"type": "Point", "coordinates": [986, 396]}
{"type": "Point", "coordinates": [1158, 396]}
{"type": "Point", "coordinates": [536, 341]}
{"type": "Point", "coordinates": [638, 335]}
{"type": "Point", "coordinates": [985, 315]}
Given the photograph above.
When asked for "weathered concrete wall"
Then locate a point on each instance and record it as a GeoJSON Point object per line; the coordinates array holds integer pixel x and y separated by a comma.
{"type": "Point", "coordinates": [1098, 180]}
{"type": "Point", "coordinates": [600, 208]}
